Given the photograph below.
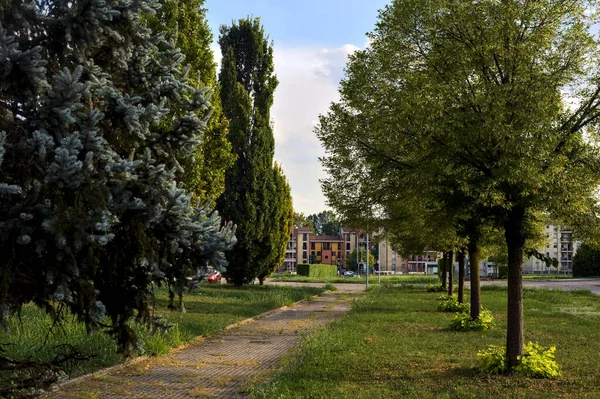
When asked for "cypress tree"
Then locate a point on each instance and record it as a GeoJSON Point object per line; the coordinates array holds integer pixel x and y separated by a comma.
{"type": "Point", "coordinates": [279, 224]}
{"type": "Point", "coordinates": [247, 83]}
{"type": "Point", "coordinates": [91, 209]}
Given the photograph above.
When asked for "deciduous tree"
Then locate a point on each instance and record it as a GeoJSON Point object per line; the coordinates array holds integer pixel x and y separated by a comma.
{"type": "Point", "coordinates": [473, 93]}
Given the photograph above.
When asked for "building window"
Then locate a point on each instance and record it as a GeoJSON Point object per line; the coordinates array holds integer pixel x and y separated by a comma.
{"type": "Point", "coordinates": [312, 245]}
{"type": "Point", "coordinates": [304, 255]}
{"type": "Point", "coordinates": [347, 236]}
{"type": "Point", "coordinates": [347, 246]}
{"type": "Point", "coordinates": [304, 246]}
{"type": "Point", "coordinates": [304, 237]}
{"type": "Point", "coordinates": [318, 253]}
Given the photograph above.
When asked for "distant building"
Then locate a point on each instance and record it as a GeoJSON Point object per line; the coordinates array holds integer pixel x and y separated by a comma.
{"type": "Point", "coordinates": [390, 261]}
{"type": "Point", "coordinates": [559, 245]}
{"type": "Point", "coordinates": [304, 247]}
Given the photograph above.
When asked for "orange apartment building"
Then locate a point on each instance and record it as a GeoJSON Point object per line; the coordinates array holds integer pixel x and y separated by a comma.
{"type": "Point", "coordinates": [304, 247]}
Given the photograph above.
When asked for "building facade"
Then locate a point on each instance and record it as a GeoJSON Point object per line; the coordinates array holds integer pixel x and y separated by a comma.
{"type": "Point", "coordinates": [559, 245]}
{"type": "Point", "coordinates": [390, 261]}
{"type": "Point", "coordinates": [304, 247]}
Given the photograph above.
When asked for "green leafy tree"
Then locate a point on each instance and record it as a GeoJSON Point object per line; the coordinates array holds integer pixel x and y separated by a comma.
{"type": "Point", "coordinates": [247, 83]}
{"type": "Point", "coordinates": [586, 262]}
{"type": "Point", "coordinates": [325, 223]}
{"type": "Point", "coordinates": [466, 99]}
{"type": "Point", "coordinates": [92, 212]}
{"type": "Point", "coordinates": [362, 255]}
{"type": "Point", "coordinates": [184, 23]}
{"type": "Point", "coordinates": [300, 220]}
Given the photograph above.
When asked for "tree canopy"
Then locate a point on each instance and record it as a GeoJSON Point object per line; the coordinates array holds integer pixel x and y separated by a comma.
{"type": "Point", "coordinates": [185, 25]}
{"type": "Point", "coordinates": [256, 196]}
{"type": "Point", "coordinates": [325, 223]}
{"type": "Point", "coordinates": [92, 211]}
{"type": "Point", "coordinates": [466, 101]}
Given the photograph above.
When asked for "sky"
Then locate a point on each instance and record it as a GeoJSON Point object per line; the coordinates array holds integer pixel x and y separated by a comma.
{"type": "Point", "coordinates": [312, 40]}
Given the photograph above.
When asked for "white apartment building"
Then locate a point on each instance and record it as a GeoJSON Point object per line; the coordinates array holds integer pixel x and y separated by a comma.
{"type": "Point", "coordinates": [559, 245]}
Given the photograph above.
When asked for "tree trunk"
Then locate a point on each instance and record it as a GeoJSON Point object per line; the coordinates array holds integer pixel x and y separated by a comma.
{"type": "Point", "coordinates": [514, 232]}
{"type": "Point", "coordinates": [443, 274]}
{"type": "Point", "coordinates": [261, 280]}
{"type": "Point", "coordinates": [474, 269]}
{"type": "Point", "coordinates": [461, 276]}
{"type": "Point", "coordinates": [450, 267]}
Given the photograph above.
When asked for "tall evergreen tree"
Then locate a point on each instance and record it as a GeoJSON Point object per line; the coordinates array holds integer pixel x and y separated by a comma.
{"type": "Point", "coordinates": [279, 224]}
{"type": "Point", "coordinates": [91, 211]}
{"type": "Point", "coordinates": [247, 83]}
{"type": "Point", "coordinates": [184, 23]}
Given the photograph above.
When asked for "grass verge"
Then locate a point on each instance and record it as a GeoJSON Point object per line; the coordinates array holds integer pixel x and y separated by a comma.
{"type": "Point", "coordinates": [394, 344]}
{"type": "Point", "coordinates": [208, 311]}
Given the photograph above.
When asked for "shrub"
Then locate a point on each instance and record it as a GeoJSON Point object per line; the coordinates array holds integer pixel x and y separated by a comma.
{"type": "Point", "coordinates": [536, 361]}
{"type": "Point", "coordinates": [330, 287]}
{"type": "Point", "coordinates": [464, 322]}
{"type": "Point", "coordinates": [586, 261]}
{"type": "Point", "coordinates": [303, 269]}
{"type": "Point", "coordinates": [492, 360]}
{"type": "Point", "coordinates": [451, 305]}
{"type": "Point", "coordinates": [317, 270]}
{"type": "Point", "coordinates": [435, 288]}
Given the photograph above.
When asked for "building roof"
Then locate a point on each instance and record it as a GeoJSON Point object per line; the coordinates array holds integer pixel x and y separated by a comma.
{"type": "Point", "coordinates": [325, 238]}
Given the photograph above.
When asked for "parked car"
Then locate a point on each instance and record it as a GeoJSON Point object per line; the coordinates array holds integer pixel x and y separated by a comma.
{"type": "Point", "coordinates": [349, 273]}
{"type": "Point", "coordinates": [214, 277]}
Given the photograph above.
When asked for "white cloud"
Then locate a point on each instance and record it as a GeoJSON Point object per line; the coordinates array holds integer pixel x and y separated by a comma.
{"type": "Point", "coordinates": [308, 83]}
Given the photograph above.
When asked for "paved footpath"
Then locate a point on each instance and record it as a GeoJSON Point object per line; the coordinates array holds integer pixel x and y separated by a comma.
{"type": "Point", "coordinates": [218, 367]}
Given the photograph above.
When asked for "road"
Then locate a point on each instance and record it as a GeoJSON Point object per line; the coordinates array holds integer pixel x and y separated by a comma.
{"type": "Point", "coordinates": [567, 284]}
{"type": "Point", "coordinates": [592, 284]}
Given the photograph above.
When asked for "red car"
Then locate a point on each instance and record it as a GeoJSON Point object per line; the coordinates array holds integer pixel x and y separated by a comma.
{"type": "Point", "coordinates": [214, 277]}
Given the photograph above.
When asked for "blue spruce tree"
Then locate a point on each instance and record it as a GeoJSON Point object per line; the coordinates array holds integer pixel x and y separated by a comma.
{"type": "Point", "coordinates": [91, 209]}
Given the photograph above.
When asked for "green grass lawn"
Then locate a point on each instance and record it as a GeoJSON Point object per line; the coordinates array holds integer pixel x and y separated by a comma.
{"type": "Point", "coordinates": [208, 311]}
{"type": "Point", "coordinates": [418, 279]}
{"type": "Point", "coordinates": [547, 276]}
{"type": "Point", "coordinates": [394, 344]}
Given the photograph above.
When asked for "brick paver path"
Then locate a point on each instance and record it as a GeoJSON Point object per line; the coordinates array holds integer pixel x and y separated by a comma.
{"type": "Point", "coordinates": [219, 367]}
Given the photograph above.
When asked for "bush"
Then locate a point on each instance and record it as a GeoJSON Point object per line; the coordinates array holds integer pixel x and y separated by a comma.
{"type": "Point", "coordinates": [435, 288]}
{"type": "Point", "coordinates": [451, 305]}
{"type": "Point", "coordinates": [492, 360]}
{"type": "Point", "coordinates": [536, 361]}
{"type": "Point", "coordinates": [317, 270]}
{"type": "Point", "coordinates": [586, 262]}
{"type": "Point", "coordinates": [330, 287]}
{"type": "Point", "coordinates": [464, 322]}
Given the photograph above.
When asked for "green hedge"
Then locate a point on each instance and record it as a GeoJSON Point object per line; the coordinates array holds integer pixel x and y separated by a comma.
{"type": "Point", "coordinates": [317, 270]}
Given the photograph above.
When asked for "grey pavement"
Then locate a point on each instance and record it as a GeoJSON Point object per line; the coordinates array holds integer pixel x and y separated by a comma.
{"type": "Point", "coordinates": [592, 284]}
{"type": "Point", "coordinates": [563, 284]}
{"type": "Point", "coordinates": [218, 367]}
